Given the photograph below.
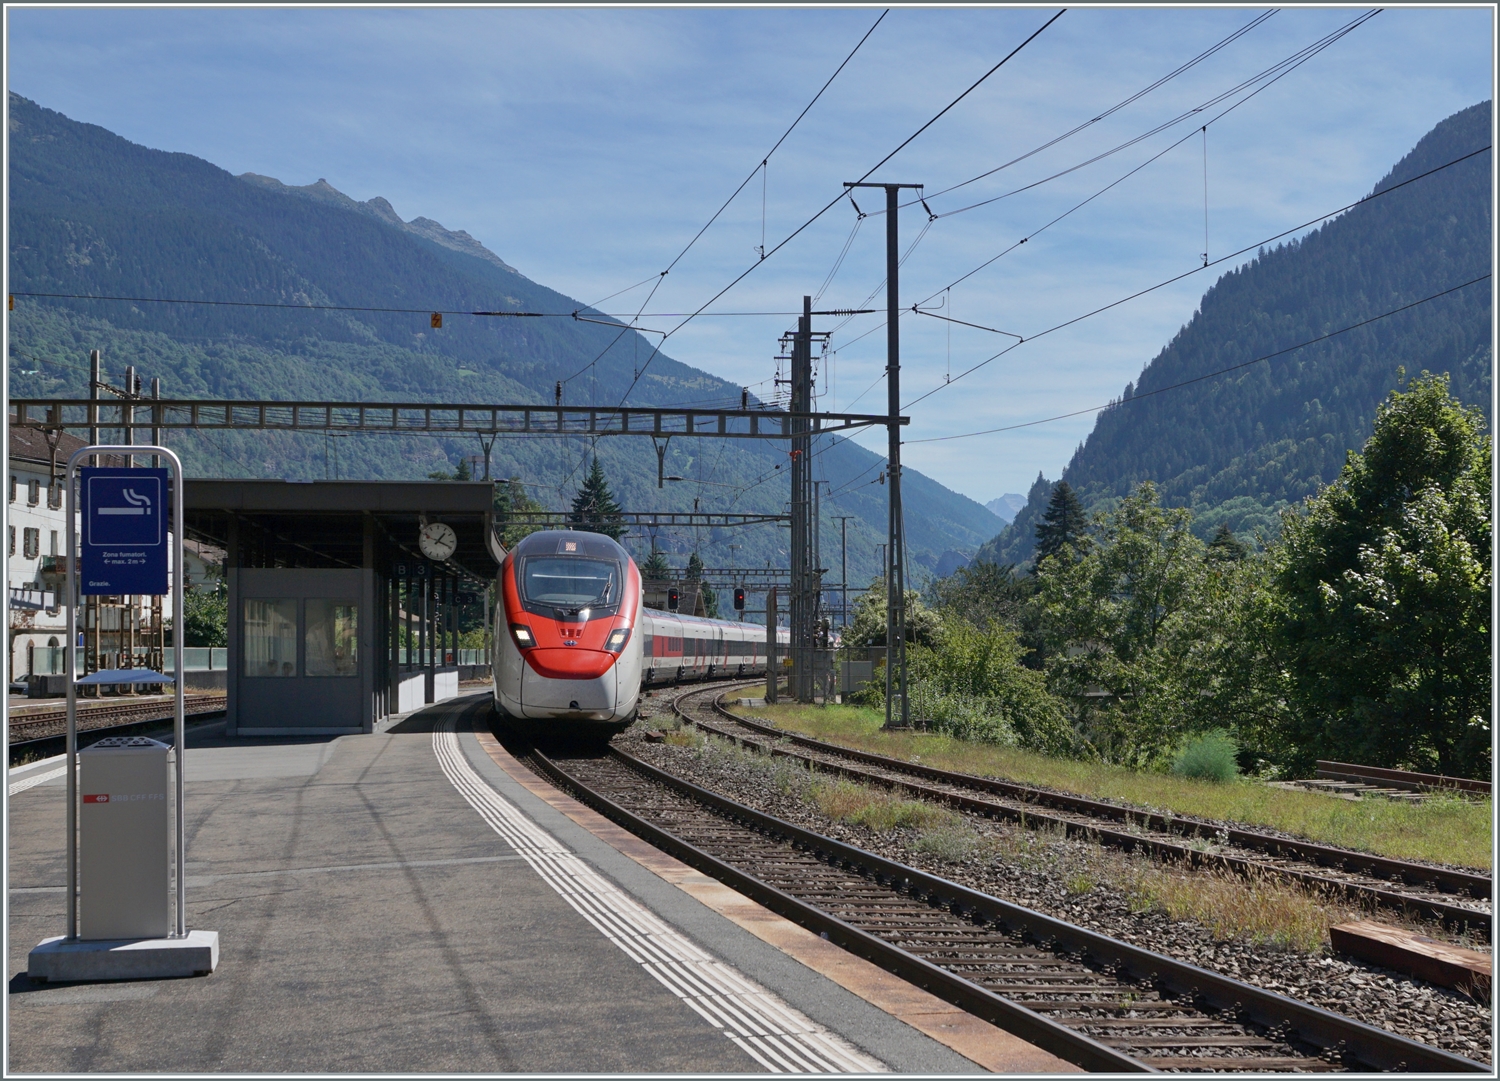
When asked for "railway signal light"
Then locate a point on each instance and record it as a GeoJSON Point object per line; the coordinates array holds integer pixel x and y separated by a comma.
{"type": "Point", "coordinates": [671, 600]}
{"type": "Point", "coordinates": [739, 598]}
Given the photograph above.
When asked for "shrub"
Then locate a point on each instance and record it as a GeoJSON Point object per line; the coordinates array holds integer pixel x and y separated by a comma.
{"type": "Point", "coordinates": [1209, 757]}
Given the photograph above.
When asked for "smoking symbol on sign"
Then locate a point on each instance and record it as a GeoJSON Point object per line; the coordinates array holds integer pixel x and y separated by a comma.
{"type": "Point", "coordinates": [139, 504]}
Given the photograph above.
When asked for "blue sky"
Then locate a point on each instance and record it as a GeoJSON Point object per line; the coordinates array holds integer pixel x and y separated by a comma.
{"type": "Point", "coordinates": [587, 146]}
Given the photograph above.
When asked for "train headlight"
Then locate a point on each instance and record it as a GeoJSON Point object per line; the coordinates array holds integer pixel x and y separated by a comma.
{"type": "Point", "coordinates": [522, 634]}
{"type": "Point", "coordinates": [617, 639]}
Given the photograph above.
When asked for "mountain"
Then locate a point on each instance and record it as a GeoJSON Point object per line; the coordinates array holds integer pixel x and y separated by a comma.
{"type": "Point", "coordinates": [1239, 448]}
{"type": "Point", "coordinates": [94, 215]}
{"type": "Point", "coordinates": [1006, 506]}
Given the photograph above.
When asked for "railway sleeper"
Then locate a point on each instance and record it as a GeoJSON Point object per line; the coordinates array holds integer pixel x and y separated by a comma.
{"type": "Point", "coordinates": [1314, 1027]}
{"type": "Point", "coordinates": [1452, 916]}
{"type": "Point", "coordinates": [1475, 885]}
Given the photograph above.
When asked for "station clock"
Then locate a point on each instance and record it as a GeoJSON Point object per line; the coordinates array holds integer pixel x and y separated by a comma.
{"type": "Point", "coordinates": [437, 541]}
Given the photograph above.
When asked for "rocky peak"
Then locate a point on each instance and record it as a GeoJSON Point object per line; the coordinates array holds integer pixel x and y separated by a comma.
{"type": "Point", "coordinates": [381, 209]}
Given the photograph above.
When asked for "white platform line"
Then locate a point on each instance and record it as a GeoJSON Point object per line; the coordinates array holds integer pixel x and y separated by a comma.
{"type": "Point", "coordinates": [769, 1030]}
{"type": "Point", "coordinates": [36, 779]}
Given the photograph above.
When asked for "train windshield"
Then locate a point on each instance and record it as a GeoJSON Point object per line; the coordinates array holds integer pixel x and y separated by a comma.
{"type": "Point", "coordinates": [570, 582]}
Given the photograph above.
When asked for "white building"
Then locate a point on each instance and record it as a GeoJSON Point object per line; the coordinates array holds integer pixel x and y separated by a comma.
{"type": "Point", "coordinates": [36, 572]}
{"type": "Point", "coordinates": [37, 536]}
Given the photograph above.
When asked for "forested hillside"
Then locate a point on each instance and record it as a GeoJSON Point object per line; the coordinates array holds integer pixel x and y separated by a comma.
{"type": "Point", "coordinates": [93, 214]}
{"type": "Point", "coordinates": [1238, 448]}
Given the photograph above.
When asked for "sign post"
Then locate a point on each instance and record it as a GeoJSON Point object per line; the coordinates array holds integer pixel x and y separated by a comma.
{"type": "Point", "coordinates": [124, 548]}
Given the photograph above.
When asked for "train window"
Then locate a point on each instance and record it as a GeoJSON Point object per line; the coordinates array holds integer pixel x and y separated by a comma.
{"type": "Point", "coordinates": [569, 582]}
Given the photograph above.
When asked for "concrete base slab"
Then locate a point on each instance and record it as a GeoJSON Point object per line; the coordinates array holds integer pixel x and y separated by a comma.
{"type": "Point", "coordinates": [58, 960]}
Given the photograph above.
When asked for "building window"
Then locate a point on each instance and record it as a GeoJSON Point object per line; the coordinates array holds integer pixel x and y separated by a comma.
{"type": "Point", "coordinates": [332, 638]}
{"type": "Point", "coordinates": [31, 543]}
{"type": "Point", "coordinates": [54, 494]}
{"type": "Point", "coordinates": [270, 639]}
{"type": "Point", "coordinates": [12, 540]}
{"type": "Point", "coordinates": [33, 491]}
{"type": "Point", "coordinates": [53, 550]}
{"type": "Point", "coordinates": [13, 489]}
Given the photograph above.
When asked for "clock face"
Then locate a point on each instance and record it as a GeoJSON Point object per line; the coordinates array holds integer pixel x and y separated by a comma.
{"type": "Point", "coordinates": [437, 541]}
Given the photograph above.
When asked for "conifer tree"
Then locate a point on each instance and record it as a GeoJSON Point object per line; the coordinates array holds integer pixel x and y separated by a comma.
{"type": "Point", "coordinates": [1226, 546]}
{"type": "Point", "coordinates": [511, 499]}
{"type": "Point", "coordinates": [656, 566]}
{"type": "Point", "coordinates": [1062, 523]}
{"type": "Point", "coordinates": [594, 507]}
{"type": "Point", "coordinates": [710, 598]}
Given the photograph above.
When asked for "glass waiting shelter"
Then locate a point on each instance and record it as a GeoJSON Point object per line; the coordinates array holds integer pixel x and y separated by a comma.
{"type": "Point", "coordinates": [336, 617]}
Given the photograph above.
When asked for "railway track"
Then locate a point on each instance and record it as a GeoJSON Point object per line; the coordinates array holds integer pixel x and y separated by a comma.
{"type": "Point", "coordinates": [1410, 887]}
{"type": "Point", "coordinates": [1096, 1001]}
{"type": "Point", "coordinates": [54, 722]}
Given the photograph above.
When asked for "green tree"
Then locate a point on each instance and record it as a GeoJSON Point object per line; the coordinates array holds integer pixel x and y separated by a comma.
{"type": "Point", "coordinates": [462, 472]}
{"type": "Point", "coordinates": [594, 507]}
{"type": "Point", "coordinates": [1226, 546]}
{"type": "Point", "coordinates": [1119, 628]}
{"type": "Point", "coordinates": [989, 596]}
{"type": "Point", "coordinates": [205, 617]}
{"type": "Point", "coordinates": [972, 685]}
{"type": "Point", "coordinates": [1384, 586]}
{"type": "Point", "coordinates": [656, 566]}
{"type": "Point", "coordinates": [1063, 523]}
{"type": "Point", "coordinates": [510, 500]}
{"type": "Point", "coordinates": [710, 599]}
{"type": "Point", "coordinates": [924, 626]}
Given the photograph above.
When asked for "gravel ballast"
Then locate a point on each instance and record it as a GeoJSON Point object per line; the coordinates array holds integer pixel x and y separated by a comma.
{"type": "Point", "coordinates": [1074, 880]}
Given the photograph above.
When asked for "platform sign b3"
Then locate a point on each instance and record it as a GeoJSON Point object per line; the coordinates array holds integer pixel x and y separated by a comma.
{"type": "Point", "coordinates": [124, 547]}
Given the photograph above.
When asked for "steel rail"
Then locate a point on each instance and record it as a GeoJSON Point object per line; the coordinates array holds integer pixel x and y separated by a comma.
{"type": "Point", "coordinates": [1041, 1031]}
{"type": "Point", "coordinates": [1475, 885]}
{"type": "Point", "coordinates": [1400, 778]}
{"type": "Point", "coordinates": [132, 711]}
{"type": "Point", "coordinates": [1352, 1040]}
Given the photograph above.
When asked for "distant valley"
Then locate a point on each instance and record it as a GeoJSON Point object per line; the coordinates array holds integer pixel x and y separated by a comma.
{"type": "Point", "coordinates": [92, 214]}
{"type": "Point", "coordinates": [1240, 448]}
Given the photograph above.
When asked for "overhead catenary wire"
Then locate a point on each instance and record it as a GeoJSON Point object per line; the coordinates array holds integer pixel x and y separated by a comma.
{"type": "Point", "coordinates": [839, 198]}
{"type": "Point", "coordinates": [1209, 375]}
{"type": "Point", "coordinates": [1274, 72]}
{"type": "Point", "coordinates": [761, 168]}
{"type": "Point", "coordinates": [1282, 68]}
{"type": "Point", "coordinates": [576, 314]}
{"type": "Point", "coordinates": [1269, 77]}
{"type": "Point", "coordinates": [1132, 99]}
{"type": "Point", "coordinates": [1199, 269]}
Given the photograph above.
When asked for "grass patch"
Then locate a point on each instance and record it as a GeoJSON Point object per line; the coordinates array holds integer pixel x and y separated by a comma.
{"type": "Point", "coordinates": [862, 806]}
{"type": "Point", "coordinates": [1442, 830]}
{"type": "Point", "coordinates": [1254, 910]}
{"type": "Point", "coordinates": [1210, 757]}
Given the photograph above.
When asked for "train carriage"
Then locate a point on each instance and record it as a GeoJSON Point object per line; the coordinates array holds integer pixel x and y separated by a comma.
{"type": "Point", "coordinates": [574, 645]}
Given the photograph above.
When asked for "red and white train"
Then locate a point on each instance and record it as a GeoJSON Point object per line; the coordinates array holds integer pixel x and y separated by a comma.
{"type": "Point", "coordinates": [574, 645]}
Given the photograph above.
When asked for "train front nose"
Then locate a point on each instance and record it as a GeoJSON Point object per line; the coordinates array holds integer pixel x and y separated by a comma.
{"type": "Point", "coordinates": [576, 682]}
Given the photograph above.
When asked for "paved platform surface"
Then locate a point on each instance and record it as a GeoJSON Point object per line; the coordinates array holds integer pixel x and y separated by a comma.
{"type": "Point", "coordinates": [372, 919]}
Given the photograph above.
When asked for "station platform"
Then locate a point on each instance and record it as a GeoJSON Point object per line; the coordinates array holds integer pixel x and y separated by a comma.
{"type": "Point", "coordinates": [412, 900]}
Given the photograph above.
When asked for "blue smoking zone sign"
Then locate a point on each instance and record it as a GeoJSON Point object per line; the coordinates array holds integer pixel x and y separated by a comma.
{"type": "Point", "coordinates": [124, 530]}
